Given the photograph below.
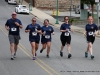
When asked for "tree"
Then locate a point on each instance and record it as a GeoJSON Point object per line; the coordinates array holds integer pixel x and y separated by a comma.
{"type": "Point", "coordinates": [91, 2]}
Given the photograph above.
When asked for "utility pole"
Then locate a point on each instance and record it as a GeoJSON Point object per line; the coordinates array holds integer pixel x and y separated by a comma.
{"type": "Point", "coordinates": [57, 12]}
{"type": "Point", "coordinates": [30, 5]}
{"type": "Point", "coordinates": [70, 7]}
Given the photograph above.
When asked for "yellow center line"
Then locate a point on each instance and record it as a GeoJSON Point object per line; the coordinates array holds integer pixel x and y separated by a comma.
{"type": "Point", "coordinates": [28, 54]}
{"type": "Point", "coordinates": [42, 62]}
{"type": "Point", "coordinates": [24, 50]}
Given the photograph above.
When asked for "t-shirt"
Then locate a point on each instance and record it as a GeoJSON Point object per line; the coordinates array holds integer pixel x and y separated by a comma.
{"type": "Point", "coordinates": [65, 26]}
{"type": "Point", "coordinates": [90, 29]}
{"type": "Point", "coordinates": [13, 29]}
{"type": "Point", "coordinates": [47, 30]}
{"type": "Point", "coordinates": [33, 30]}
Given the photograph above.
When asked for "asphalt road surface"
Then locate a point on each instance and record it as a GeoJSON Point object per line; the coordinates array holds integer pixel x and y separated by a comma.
{"type": "Point", "coordinates": [55, 65]}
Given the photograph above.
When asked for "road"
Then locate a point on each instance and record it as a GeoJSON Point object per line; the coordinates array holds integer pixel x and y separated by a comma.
{"type": "Point", "coordinates": [55, 65]}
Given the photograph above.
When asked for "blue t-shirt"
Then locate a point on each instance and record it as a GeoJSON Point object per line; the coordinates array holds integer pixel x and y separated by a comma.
{"type": "Point", "coordinates": [13, 29]}
{"type": "Point", "coordinates": [65, 26]}
{"type": "Point", "coordinates": [47, 30]}
{"type": "Point", "coordinates": [90, 29]}
{"type": "Point", "coordinates": [33, 28]}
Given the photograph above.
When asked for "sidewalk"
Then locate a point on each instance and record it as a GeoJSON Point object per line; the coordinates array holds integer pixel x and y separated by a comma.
{"type": "Point", "coordinates": [42, 15]}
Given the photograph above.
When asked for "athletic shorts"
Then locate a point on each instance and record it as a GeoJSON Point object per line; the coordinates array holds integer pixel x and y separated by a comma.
{"type": "Point", "coordinates": [14, 39]}
{"type": "Point", "coordinates": [34, 40]}
{"type": "Point", "coordinates": [65, 40]}
{"type": "Point", "coordinates": [90, 39]}
{"type": "Point", "coordinates": [43, 41]}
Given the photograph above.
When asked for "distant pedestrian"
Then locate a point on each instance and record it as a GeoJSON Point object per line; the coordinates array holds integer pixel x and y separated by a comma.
{"type": "Point", "coordinates": [34, 30]}
{"type": "Point", "coordinates": [91, 30]}
{"type": "Point", "coordinates": [13, 25]}
{"type": "Point", "coordinates": [65, 36]}
{"type": "Point", "coordinates": [46, 38]}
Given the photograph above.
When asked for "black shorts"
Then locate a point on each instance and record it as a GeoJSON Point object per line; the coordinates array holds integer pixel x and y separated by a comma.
{"type": "Point", "coordinates": [34, 40]}
{"type": "Point", "coordinates": [65, 39]}
{"type": "Point", "coordinates": [90, 39]}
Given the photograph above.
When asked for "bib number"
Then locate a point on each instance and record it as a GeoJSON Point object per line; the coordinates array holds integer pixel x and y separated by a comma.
{"type": "Point", "coordinates": [90, 33]}
{"type": "Point", "coordinates": [66, 34]}
{"type": "Point", "coordinates": [34, 33]}
{"type": "Point", "coordinates": [47, 36]}
{"type": "Point", "coordinates": [13, 29]}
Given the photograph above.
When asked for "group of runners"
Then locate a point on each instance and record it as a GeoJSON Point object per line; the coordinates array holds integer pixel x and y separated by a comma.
{"type": "Point", "coordinates": [44, 33]}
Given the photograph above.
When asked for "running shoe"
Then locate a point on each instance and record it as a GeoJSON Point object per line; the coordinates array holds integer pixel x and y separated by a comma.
{"type": "Point", "coordinates": [86, 54]}
{"type": "Point", "coordinates": [92, 56]}
{"type": "Point", "coordinates": [34, 58]}
{"type": "Point", "coordinates": [41, 50]}
{"type": "Point", "coordinates": [61, 54]}
{"type": "Point", "coordinates": [12, 57]}
{"type": "Point", "coordinates": [69, 55]}
{"type": "Point", "coordinates": [47, 56]}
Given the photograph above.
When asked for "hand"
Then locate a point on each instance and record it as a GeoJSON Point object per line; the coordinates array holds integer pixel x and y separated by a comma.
{"type": "Point", "coordinates": [7, 28]}
{"type": "Point", "coordinates": [72, 30]}
{"type": "Point", "coordinates": [17, 24]}
{"type": "Point", "coordinates": [53, 33]}
{"type": "Point", "coordinates": [95, 34]}
{"type": "Point", "coordinates": [67, 29]}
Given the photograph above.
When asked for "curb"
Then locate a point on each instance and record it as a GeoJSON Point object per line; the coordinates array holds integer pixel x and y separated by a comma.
{"type": "Point", "coordinates": [78, 31]}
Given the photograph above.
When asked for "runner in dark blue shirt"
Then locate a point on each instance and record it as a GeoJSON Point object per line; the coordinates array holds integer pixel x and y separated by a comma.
{"type": "Point", "coordinates": [46, 36]}
{"type": "Point", "coordinates": [65, 36]}
{"type": "Point", "coordinates": [91, 31]}
{"type": "Point", "coordinates": [13, 25]}
{"type": "Point", "coordinates": [34, 37]}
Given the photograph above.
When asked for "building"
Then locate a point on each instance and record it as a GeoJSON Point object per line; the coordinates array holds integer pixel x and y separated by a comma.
{"type": "Point", "coordinates": [64, 5]}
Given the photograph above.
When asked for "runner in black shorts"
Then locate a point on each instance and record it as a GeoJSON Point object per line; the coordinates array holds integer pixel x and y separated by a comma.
{"type": "Point", "coordinates": [46, 37]}
{"type": "Point", "coordinates": [34, 37]}
{"type": "Point", "coordinates": [65, 36]}
{"type": "Point", "coordinates": [91, 31]}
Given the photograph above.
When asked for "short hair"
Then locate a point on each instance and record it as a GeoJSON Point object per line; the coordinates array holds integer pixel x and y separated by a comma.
{"type": "Point", "coordinates": [46, 20]}
{"type": "Point", "coordinates": [65, 17]}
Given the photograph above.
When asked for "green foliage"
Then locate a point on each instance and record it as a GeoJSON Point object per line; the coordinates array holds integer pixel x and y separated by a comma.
{"type": "Point", "coordinates": [71, 20]}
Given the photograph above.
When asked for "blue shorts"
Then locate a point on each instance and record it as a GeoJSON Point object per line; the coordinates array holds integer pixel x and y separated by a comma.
{"type": "Point", "coordinates": [43, 41]}
{"type": "Point", "coordinates": [34, 40]}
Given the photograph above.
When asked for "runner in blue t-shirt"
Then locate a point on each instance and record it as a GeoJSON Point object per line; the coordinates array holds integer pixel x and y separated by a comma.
{"type": "Point", "coordinates": [65, 36]}
{"type": "Point", "coordinates": [34, 37]}
{"type": "Point", "coordinates": [46, 36]}
{"type": "Point", "coordinates": [91, 30]}
{"type": "Point", "coordinates": [13, 25]}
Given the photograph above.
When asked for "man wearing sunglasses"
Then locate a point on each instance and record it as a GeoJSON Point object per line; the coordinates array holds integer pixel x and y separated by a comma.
{"type": "Point", "coordinates": [13, 25]}
{"type": "Point", "coordinates": [34, 30]}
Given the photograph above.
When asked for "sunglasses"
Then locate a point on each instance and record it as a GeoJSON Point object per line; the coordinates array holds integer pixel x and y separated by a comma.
{"type": "Point", "coordinates": [66, 19]}
{"type": "Point", "coordinates": [34, 20]}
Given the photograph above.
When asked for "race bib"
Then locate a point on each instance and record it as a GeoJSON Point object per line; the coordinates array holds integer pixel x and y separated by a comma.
{"type": "Point", "coordinates": [34, 33]}
{"type": "Point", "coordinates": [66, 34]}
{"type": "Point", "coordinates": [90, 33]}
{"type": "Point", "coordinates": [13, 29]}
{"type": "Point", "coordinates": [47, 36]}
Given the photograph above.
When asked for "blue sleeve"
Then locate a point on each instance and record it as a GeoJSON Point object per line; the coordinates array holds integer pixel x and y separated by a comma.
{"type": "Point", "coordinates": [27, 28]}
{"type": "Point", "coordinates": [39, 27]}
{"type": "Point", "coordinates": [42, 29]}
{"type": "Point", "coordinates": [96, 28]}
{"type": "Point", "coordinates": [61, 28]}
{"type": "Point", "coordinates": [52, 30]}
{"type": "Point", "coordinates": [7, 23]}
{"type": "Point", "coordinates": [20, 22]}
